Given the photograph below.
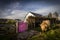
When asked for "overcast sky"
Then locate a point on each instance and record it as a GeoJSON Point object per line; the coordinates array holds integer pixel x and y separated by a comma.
{"type": "Point", "coordinates": [17, 9]}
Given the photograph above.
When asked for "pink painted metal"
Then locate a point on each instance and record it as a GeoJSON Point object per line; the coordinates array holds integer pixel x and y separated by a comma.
{"type": "Point", "coordinates": [22, 26]}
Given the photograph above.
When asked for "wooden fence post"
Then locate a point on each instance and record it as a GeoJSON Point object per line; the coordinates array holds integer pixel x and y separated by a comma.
{"type": "Point", "coordinates": [16, 26]}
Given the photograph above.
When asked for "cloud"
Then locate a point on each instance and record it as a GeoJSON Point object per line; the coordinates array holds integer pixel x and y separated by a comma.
{"type": "Point", "coordinates": [17, 14]}
{"type": "Point", "coordinates": [46, 10]}
{"type": "Point", "coordinates": [20, 14]}
{"type": "Point", "coordinates": [18, 10]}
{"type": "Point", "coordinates": [6, 10]}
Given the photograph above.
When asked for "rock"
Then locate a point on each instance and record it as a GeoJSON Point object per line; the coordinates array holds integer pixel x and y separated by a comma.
{"type": "Point", "coordinates": [27, 34]}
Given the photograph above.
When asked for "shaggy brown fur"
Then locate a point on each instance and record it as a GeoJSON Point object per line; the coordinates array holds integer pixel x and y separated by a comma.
{"type": "Point", "coordinates": [45, 25]}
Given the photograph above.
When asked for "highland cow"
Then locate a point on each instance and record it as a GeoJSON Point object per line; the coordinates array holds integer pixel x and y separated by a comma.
{"type": "Point", "coordinates": [45, 25]}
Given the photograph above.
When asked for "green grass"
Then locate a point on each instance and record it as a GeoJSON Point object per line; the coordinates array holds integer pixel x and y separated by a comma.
{"type": "Point", "coordinates": [53, 34]}
{"type": "Point", "coordinates": [37, 29]}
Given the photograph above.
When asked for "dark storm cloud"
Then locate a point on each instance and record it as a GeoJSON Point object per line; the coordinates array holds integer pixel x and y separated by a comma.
{"type": "Point", "coordinates": [5, 4]}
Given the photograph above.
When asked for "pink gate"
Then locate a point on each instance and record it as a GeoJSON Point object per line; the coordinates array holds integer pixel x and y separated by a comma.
{"type": "Point", "coordinates": [22, 26]}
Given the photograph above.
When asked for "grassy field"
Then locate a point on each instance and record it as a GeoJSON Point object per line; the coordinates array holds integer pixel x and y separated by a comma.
{"type": "Point", "coordinates": [7, 29]}
{"type": "Point", "coordinates": [52, 34]}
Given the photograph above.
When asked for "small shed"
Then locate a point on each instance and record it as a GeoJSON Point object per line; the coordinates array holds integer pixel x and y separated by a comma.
{"type": "Point", "coordinates": [30, 18]}
{"type": "Point", "coordinates": [35, 19]}
{"type": "Point", "coordinates": [32, 14]}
